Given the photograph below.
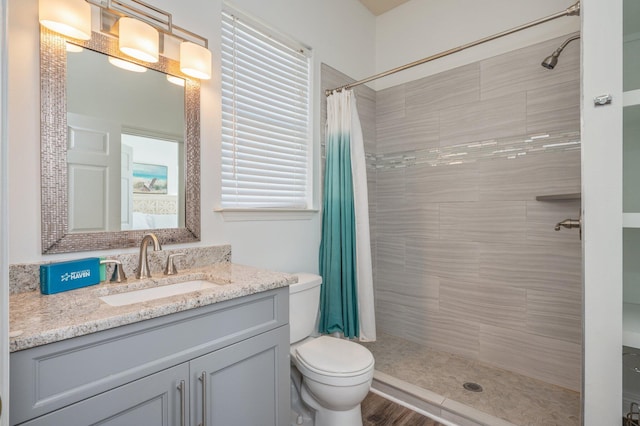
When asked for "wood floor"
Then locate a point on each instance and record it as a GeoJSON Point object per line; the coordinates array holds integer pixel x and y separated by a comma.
{"type": "Point", "coordinates": [378, 411]}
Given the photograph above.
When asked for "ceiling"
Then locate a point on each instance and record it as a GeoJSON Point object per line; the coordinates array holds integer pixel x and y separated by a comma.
{"type": "Point", "coordinates": [378, 7]}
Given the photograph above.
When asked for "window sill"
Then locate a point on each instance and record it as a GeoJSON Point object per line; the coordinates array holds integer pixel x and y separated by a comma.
{"type": "Point", "coordinates": [239, 215]}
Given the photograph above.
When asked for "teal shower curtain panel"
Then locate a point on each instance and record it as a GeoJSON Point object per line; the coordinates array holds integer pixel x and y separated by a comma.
{"type": "Point", "coordinates": [339, 295]}
{"type": "Point", "coordinates": [346, 291]}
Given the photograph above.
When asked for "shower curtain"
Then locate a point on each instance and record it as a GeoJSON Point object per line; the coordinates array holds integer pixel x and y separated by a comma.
{"type": "Point", "coordinates": [346, 301]}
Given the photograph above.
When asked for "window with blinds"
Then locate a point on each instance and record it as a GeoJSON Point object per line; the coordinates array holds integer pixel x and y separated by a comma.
{"type": "Point", "coordinates": [265, 118]}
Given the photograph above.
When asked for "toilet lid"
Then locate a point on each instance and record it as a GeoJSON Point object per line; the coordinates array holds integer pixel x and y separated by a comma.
{"type": "Point", "coordinates": [334, 356]}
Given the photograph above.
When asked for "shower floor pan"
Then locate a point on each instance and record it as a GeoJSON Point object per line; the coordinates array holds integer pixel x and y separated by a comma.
{"type": "Point", "coordinates": [433, 382]}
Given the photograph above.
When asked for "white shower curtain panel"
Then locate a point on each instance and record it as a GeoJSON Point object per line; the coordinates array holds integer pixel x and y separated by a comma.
{"type": "Point", "coordinates": [366, 308]}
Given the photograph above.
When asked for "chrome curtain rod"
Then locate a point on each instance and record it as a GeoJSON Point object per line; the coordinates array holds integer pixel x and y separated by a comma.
{"type": "Point", "coordinates": [571, 11]}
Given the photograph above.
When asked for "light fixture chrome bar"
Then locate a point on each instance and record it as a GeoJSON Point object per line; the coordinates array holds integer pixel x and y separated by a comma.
{"type": "Point", "coordinates": [142, 14]}
{"type": "Point", "coordinates": [570, 11]}
{"type": "Point", "coordinates": [120, 9]}
{"type": "Point", "coordinates": [192, 35]}
{"type": "Point", "coordinates": [157, 18]}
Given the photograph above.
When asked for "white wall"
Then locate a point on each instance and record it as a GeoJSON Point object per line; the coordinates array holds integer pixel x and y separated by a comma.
{"type": "Point", "coordinates": [341, 34]}
{"type": "Point", "coordinates": [419, 28]}
{"type": "Point", "coordinates": [602, 155]}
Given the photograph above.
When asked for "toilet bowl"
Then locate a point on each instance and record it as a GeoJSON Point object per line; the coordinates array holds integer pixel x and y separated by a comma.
{"type": "Point", "coordinates": [335, 374]}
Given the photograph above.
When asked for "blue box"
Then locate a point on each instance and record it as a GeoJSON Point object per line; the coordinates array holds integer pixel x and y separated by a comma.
{"type": "Point", "coordinates": [64, 276]}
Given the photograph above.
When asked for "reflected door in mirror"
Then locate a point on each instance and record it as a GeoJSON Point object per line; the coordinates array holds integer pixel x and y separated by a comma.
{"type": "Point", "coordinates": [93, 167]}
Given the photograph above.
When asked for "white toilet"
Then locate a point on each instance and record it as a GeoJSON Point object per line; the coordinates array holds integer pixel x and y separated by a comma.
{"type": "Point", "coordinates": [330, 375]}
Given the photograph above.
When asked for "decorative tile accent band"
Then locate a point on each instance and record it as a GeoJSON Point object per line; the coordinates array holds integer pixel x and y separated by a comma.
{"type": "Point", "coordinates": [509, 148]}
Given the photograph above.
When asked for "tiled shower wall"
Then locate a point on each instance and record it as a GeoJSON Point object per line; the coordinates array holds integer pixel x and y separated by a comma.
{"type": "Point", "coordinates": [466, 259]}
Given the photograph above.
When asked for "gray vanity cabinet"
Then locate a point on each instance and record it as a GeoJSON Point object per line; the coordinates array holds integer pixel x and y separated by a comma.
{"type": "Point", "coordinates": [239, 386]}
{"type": "Point", "coordinates": [228, 361]}
{"type": "Point", "coordinates": [150, 401]}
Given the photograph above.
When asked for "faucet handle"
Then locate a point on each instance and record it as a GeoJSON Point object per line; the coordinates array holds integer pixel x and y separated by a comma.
{"type": "Point", "coordinates": [170, 268]}
{"type": "Point", "coordinates": [118, 271]}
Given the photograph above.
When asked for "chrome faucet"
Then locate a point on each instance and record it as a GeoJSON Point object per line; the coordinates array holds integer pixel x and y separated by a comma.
{"type": "Point", "coordinates": [143, 262]}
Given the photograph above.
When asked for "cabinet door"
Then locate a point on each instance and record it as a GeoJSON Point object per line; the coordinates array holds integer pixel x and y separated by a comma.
{"type": "Point", "coordinates": [154, 400]}
{"type": "Point", "coordinates": [243, 384]}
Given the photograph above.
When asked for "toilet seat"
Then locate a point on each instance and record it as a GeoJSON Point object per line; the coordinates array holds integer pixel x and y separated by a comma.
{"type": "Point", "coordinates": [334, 361]}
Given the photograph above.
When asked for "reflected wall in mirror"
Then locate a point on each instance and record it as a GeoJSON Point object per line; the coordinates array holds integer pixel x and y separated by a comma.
{"type": "Point", "coordinates": [120, 149]}
{"type": "Point", "coordinates": [139, 115]}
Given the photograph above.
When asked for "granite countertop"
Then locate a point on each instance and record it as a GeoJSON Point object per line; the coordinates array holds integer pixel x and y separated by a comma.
{"type": "Point", "coordinates": [36, 319]}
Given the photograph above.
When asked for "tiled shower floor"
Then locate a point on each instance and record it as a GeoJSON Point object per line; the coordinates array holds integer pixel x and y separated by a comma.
{"type": "Point", "coordinates": [509, 396]}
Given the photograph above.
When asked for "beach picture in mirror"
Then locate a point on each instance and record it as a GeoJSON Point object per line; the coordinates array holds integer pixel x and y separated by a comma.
{"type": "Point", "coordinates": [149, 179]}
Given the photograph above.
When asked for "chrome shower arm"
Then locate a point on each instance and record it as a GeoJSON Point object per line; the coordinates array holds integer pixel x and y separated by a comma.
{"type": "Point", "coordinates": [567, 41]}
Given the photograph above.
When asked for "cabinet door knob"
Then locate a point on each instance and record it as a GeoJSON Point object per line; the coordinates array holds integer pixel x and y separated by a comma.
{"type": "Point", "coordinates": [203, 380]}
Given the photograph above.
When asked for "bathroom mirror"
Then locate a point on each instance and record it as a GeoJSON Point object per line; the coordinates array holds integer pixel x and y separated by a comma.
{"type": "Point", "coordinates": [106, 177]}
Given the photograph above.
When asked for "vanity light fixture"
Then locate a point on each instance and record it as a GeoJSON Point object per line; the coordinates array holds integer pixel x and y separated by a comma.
{"type": "Point", "coordinates": [195, 60]}
{"type": "Point", "coordinates": [195, 57]}
{"type": "Point", "coordinates": [126, 65]}
{"type": "Point", "coordinates": [71, 18]}
{"type": "Point", "coordinates": [139, 40]}
{"type": "Point", "coordinates": [139, 27]}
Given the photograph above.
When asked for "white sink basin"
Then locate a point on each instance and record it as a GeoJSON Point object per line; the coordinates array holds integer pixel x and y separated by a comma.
{"type": "Point", "coordinates": [138, 296]}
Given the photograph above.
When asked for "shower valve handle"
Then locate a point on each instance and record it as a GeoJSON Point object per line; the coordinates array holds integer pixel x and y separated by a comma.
{"type": "Point", "coordinates": [568, 223]}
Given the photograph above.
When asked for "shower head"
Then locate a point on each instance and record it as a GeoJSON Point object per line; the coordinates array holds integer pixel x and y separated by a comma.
{"type": "Point", "coordinates": [551, 61]}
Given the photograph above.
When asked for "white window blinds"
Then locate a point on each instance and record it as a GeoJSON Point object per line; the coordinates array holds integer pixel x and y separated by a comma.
{"type": "Point", "coordinates": [265, 119]}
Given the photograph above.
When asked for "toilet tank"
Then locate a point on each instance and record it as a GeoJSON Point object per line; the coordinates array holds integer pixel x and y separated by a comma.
{"type": "Point", "coordinates": [304, 301]}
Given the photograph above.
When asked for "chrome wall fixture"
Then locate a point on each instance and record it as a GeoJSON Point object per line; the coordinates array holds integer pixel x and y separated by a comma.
{"type": "Point", "coordinates": [139, 26]}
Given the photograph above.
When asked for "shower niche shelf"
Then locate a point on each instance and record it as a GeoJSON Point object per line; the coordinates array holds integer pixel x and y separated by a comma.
{"type": "Point", "coordinates": [559, 197]}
